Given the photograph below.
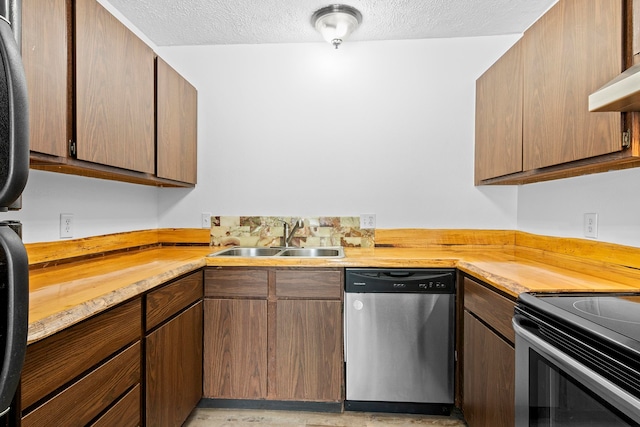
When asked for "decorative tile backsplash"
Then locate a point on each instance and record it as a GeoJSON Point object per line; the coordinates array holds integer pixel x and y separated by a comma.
{"type": "Point", "coordinates": [268, 231]}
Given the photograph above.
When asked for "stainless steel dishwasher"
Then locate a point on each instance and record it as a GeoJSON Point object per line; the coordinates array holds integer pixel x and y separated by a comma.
{"type": "Point", "coordinates": [399, 340]}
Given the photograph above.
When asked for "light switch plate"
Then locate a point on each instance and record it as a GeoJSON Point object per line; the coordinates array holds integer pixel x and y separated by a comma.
{"type": "Point", "coordinates": [206, 219]}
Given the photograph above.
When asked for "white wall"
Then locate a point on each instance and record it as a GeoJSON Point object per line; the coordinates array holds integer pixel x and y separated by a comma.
{"type": "Point", "coordinates": [98, 206]}
{"type": "Point", "coordinates": [375, 127]}
{"type": "Point", "coordinates": [556, 208]}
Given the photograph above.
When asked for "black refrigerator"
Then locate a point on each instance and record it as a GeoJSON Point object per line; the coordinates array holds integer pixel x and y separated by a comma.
{"type": "Point", "coordinates": [14, 171]}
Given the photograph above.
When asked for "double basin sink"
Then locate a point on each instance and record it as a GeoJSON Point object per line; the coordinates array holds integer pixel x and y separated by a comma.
{"type": "Point", "coordinates": [333, 252]}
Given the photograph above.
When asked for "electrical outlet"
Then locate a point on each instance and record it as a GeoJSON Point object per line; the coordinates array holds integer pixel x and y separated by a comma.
{"type": "Point", "coordinates": [367, 221]}
{"type": "Point", "coordinates": [206, 219]}
{"type": "Point", "coordinates": [591, 225]}
{"type": "Point", "coordinates": [66, 225]}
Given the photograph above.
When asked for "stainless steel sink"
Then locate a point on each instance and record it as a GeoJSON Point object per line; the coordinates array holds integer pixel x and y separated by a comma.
{"type": "Point", "coordinates": [248, 252]}
{"type": "Point", "coordinates": [323, 252]}
{"type": "Point", "coordinates": [313, 252]}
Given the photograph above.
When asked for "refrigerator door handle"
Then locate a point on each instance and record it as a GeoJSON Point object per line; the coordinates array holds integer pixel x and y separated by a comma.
{"type": "Point", "coordinates": [16, 298]}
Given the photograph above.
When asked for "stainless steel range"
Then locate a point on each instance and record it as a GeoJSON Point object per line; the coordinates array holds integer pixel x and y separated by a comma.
{"type": "Point", "coordinates": [577, 360]}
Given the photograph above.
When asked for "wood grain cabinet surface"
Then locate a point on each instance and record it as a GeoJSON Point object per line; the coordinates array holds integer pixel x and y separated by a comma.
{"type": "Point", "coordinates": [45, 55]}
{"type": "Point", "coordinates": [92, 91]}
{"type": "Point", "coordinates": [488, 357]}
{"type": "Point", "coordinates": [176, 125]}
{"type": "Point", "coordinates": [76, 374]}
{"type": "Point", "coordinates": [114, 91]}
{"type": "Point", "coordinates": [273, 333]}
{"type": "Point", "coordinates": [532, 116]}
{"type": "Point", "coordinates": [499, 117]}
{"type": "Point", "coordinates": [173, 351]}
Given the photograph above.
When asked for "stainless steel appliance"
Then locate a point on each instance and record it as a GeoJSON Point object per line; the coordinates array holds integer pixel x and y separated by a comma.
{"type": "Point", "coordinates": [577, 360]}
{"type": "Point", "coordinates": [399, 340]}
{"type": "Point", "coordinates": [14, 170]}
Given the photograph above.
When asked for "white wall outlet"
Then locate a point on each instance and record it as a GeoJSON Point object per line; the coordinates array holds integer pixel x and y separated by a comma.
{"type": "Point", "coordinates": [66, 225]}
{"type": "Point", "coordinates": [206, 219]}
{"type": "Point", "coordinates": [591, 225]}
{"type": "Point", "coordinates": [368, 221]}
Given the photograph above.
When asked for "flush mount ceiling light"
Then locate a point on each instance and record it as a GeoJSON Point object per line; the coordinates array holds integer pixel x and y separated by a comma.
{"type": "Point", "coordinates": [336, 22]}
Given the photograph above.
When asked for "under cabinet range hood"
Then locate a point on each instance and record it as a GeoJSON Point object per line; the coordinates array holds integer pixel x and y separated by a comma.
{"type": "Point", "coordinates": [620, 94]}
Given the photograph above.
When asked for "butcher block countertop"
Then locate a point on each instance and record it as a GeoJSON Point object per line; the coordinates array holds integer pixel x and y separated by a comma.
{"type": "Point", "coordinates": [100, 274]}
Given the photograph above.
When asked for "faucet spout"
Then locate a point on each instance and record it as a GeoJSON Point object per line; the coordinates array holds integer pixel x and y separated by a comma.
{"type": "Point", "coordinates": [288, 235]}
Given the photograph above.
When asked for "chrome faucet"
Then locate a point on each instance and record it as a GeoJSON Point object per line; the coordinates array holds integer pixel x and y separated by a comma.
{"type": "Point", "coordinates": [288, 235]}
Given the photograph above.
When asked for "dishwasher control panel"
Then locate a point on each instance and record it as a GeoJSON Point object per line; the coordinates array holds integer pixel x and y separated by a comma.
{"type": "Point", "coordinates": [402, 280]}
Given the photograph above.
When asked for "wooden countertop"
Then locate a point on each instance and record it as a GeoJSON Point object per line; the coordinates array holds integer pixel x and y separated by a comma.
{"type": "Point", "coordinates": [66, 294]}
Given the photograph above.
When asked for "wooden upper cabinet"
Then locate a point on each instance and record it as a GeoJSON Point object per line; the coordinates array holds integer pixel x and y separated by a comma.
{"type": "Point", "coordinates": [115, 123]}
{"type": "Point", "coordinates": [573, 50]}
{"type": "Point", "coordinates": [45, 55]}
{"type": "Point", "coordinates": [176, 125]}
{"type": "Point", "coordinates": [499, 117]}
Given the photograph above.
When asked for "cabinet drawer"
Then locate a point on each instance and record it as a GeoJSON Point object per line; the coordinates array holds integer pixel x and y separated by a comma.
{"type": "Point", "coordinates": [306, 283]}
{"type": "Point", "coordinates": [491, 307]}
{"type": "Point", "coordinates": [89, 396]}
{"type": "Point", "coordinates": [54, 361]}
{"type": "Point", "coordinates": [170, 299]}
{"type": "Point", "coordinates": [125, 413]}
{"type": "Point", "coordinates": [242, 282]}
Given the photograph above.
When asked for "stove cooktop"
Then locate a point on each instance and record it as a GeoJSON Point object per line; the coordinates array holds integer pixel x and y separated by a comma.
{"type": "Point", "coordinates": [619, 313]}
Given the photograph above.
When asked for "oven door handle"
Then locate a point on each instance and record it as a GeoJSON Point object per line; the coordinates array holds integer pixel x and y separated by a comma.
{"type": "Point", "coordinates": [626, 402]}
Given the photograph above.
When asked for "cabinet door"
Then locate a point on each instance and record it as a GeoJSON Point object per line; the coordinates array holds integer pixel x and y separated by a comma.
{"type": "Point", "coordinates": [499, 117]}
{"type": "Point", "coordinates": [44, 54]}
{"type": "Point", "coordinates": [308, 342]}
{"type": "Point", "coordinates": [115, 123]}
{"type": "Point", "coordinates": [176, 125]}
{"type": "Point", "coordinates": [489, 377]}
{"type": "Point", "coordinates": [573, 50]}
{"type": "Point", "coordinates": [235, 349]}
{"type": "Point", "coordinates": [174, 369]}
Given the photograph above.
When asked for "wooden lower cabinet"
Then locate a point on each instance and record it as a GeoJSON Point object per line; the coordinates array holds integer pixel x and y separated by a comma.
{"type": "Point", "coordinates": [82, 373]}
{"type": "Point", "coordinates": [173, 354]}
{"type": "Point", "coordinates": [273, 333]}
{"type": "Point", "coordinates": [488, 358]}
{"type": "Point", "coordinates": [308, 350]}
{"type": "Point", "coordinates": [174, 369]}
{"type": "Point", "coordinates": [235, 349]}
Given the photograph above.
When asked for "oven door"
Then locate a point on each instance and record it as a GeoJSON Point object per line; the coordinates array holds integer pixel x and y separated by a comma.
{"type": "Point", "coordinates": [555, 390]}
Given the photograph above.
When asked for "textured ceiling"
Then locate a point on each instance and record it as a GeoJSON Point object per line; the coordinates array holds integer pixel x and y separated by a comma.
{"type": "Point", "coordinates": [197, 22]}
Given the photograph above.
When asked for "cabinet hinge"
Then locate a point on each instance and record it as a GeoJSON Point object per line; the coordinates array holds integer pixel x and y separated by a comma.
{"type": "Point", "coordinates": [72, 148]}
{"type": "Point", "coordinates": [626, 139]}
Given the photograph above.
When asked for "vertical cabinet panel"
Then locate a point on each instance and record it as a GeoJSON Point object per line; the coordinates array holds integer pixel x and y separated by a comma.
{"type": "Point", "coordinates": [176, 125]}
{"type": "Point", "coordinates": [45, 56]}
{"type": "Point", "coordinates": [308, 362]}
{"type": "Point", "coordinates": [489, 371]}
{"type": "Point", "coordinates": [573, 50]}
{"type": "Point", "coordinates": [114, 92]}
{"type": "Point", "coordinates": [174, 369]}
{"type": "Point", "coordinates": [235, 349]}
{"type": "Point", "coordinates": [499, 117]}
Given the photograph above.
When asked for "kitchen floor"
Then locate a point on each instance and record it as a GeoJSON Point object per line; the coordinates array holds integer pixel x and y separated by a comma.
{"type": "Point", "coordinates": [205, 417]}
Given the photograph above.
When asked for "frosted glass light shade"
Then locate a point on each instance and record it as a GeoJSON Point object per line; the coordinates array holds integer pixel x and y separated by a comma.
{"type": "Point", "coordinates": [336, 22]}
